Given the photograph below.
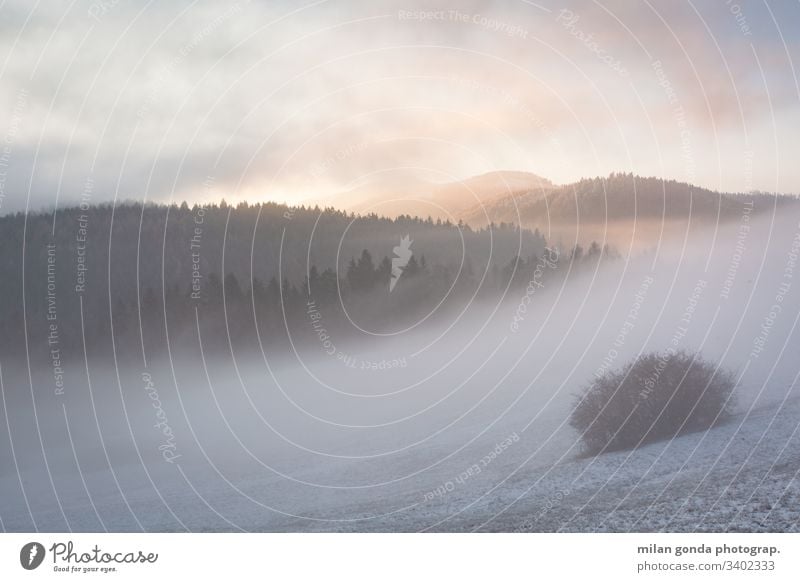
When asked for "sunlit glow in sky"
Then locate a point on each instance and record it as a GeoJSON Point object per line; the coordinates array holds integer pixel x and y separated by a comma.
{"type": "Point", "coordinates": [291, 102]}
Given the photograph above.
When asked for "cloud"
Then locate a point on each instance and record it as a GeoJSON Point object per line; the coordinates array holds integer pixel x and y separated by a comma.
{"type": "Point", "coordinates": [156, 98]}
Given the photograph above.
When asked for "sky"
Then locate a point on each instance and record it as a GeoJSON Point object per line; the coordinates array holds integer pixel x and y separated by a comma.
{"type": "Point", "coordinates": [121, 100]}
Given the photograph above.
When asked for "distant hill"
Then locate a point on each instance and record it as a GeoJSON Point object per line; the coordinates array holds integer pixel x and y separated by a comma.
{"type": "Point", "coordinates": [531, 201]}
{"type": "Point", "coordinates": [393, 196]}
{"type": "Point", "coordinates": [619, 197]}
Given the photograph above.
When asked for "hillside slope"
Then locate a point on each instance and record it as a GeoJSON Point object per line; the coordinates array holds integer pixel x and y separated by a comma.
{"type": "Point", "coordinates": [742, 476]}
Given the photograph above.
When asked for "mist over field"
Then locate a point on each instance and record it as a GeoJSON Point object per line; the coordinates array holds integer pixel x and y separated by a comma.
{"type": "Point", "coordinates": [452, 422]}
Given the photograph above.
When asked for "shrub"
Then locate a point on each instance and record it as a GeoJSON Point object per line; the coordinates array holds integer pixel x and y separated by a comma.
{"type": "Point", "coordinates": [652, 398]}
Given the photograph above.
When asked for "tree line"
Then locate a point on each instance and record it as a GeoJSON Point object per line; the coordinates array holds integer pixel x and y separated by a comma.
{"type": "Point", "coordinates": [240, 277]}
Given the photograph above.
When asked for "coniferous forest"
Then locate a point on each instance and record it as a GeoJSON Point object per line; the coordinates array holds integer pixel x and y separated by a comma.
{"type": "Point", "coordinates": [135, 277]}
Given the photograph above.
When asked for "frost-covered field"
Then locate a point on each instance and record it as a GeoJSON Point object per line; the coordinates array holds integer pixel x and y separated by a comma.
{"type": "Point", "coordinates": [742, 476]}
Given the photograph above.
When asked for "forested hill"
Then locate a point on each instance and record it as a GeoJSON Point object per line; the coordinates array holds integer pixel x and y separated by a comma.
{"type": "Point", "coordinates": [621, 197]}
{"type": "Point", "coordinates": [251, 241]}
{"type": "Point", "coordinates": [132, 261]}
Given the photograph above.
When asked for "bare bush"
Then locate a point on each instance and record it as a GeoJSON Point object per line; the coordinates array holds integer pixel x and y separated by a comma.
{"type": "Point", "coordinates": [655, 397]}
